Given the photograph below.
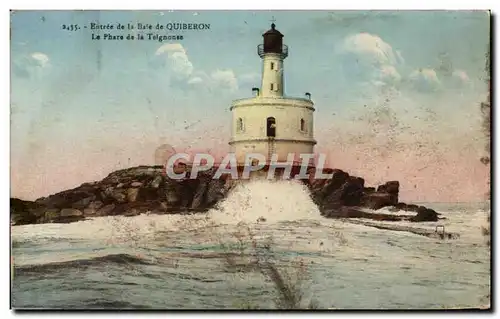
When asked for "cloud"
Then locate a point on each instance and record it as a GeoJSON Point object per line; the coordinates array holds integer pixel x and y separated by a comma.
{"type": "Point", "coordinates": [177, 60]}
{"type": "Point", "coordinates": [399, 57]}
{"type": "Point", "coordinates": [169, 48]}
{"type": "Point", "coordinates": [424, 80]}
{"type": "Point", "coordinates": [367, 58]}
{"type": "Point", "coordinates": [460, 80]}
{"type": "Point", "coordinates": [185, 75]}
{"type": "Point", "coordinates": [30, 65]}
{"type": "Point", "coordinates": [460, 75]}
{"type": "Point", "coordinates": [389, 74]}
{"type": "Point", "coordinates": [370, 48]}
{"type": "Point", "coordinates": [41, 58]}
{"type": "Point", "coordinates": [225, 79]}
{"type": "Point", "coordinates": [195, 80]}
{"type": "Point", "coordinates": [181, 64]}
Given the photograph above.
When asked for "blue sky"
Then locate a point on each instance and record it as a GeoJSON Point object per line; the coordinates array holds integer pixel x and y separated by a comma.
{"type": "Point", "coordinates": [86, 107]}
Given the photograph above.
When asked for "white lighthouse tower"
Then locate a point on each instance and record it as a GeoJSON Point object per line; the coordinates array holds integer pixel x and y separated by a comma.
{"type": "Point", "coordinates": [270, 122]}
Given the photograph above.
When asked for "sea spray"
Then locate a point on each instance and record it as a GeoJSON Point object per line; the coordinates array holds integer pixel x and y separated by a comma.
{"type": "Point", "coordinates": [286, 200]}
{"type": "Point", "coordinates": [275, 201]}
{"type": "Point", "coordinates": [267, 201]}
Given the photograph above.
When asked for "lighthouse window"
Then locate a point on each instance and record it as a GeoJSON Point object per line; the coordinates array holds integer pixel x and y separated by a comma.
{"type": "Point", "coordinates": [272, 86]}
{"type": "Point", "coordinates": [302, 125]}
{"type": "Point", "coordinates": [272, 65]}
{"type": "Point", "coordinates": [271, 127]}
{"type": "Point", "coordinates": [239, 125]}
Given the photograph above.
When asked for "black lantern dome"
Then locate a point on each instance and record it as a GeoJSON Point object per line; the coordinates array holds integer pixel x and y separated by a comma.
{"type": "Point", "coordinates": [273, 43]}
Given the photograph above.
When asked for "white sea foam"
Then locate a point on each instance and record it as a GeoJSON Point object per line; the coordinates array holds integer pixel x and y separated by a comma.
{"type": "Point", "coordinates": [283, 200]}
{"type": "Point", "coordinates": [468, 224]}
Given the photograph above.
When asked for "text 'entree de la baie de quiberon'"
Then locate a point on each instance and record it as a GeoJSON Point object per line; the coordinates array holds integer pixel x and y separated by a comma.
{"type": "Point", "coordinates": [149, 26]}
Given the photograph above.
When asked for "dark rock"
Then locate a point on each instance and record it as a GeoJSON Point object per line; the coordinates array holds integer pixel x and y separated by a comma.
{"type": "Point", "coordinates": [119, 195]}
{"type": "Point", "coordinates": [127, 209]}
{"type": "Point", "coordinates": [411, 207]}
{"type": "Point", "coordinates": [69, 215]}
{"type": "Point", "coordinates": [65, 199]}
{"type": "Point", "coordinates": [131, 212]}
{"type": "Point", "coordinates": [156, 182]}
{"type": "Point", "coordinates": [425, 215]}
{"type": "Point", "coordinates": [70, 212]}
{"type": "Point", "coordinates": [106, 210]}
{"type": "Point", "coordinates": [354, 212]}
{"type": "Point", "coordinates": [188, 189]}
{"type": "Point", "coordinates": [378, 200]}
{"type": "Point", "coordinates": [92, 208]}
{"type": "Point", "coordinates": [83, 203]}
{"type": "Point", "coordinates": [51, 215]}
{"type": "Point", "coordinates": [132, 194]}
{"type": "Point", "coordinates": [316, 185]}
{"type": "Point", "coordinates": [369, 189]}
{"type": "Point", "coordinates": [353, 191]}
{"type": "Point", "coordinates": [338, 179]}
{"type": "Point", "coordinates": [147, 194]}
{"type": "Point", "coordinates": [172, 192]}
{"type": "Point", "coordinates": [164, 206]}
{"type": "Point", "coordinates": [23, 212]}
{"type": "Point", "coordinates": [329, 193]}
{"type": "Point", "coordinates": [391, 187]}
{"type": "Point", "coordinates": [405, 207]}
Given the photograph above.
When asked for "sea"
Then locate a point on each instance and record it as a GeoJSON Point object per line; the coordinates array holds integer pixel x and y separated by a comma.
{"type": "Point", "coordinates": [216, 260]}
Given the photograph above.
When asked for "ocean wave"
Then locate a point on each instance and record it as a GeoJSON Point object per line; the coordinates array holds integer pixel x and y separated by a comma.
{"type": "Point", "coordinates": [269, 201]}
{"type": "Point", "coordinates": [115, 259]}
{"type": "Point", "coordinates": [40, 241]}
{"type": "Point", "coordinates": [92, 304]}
{"type": "Point", "coordinates": [107, 304]}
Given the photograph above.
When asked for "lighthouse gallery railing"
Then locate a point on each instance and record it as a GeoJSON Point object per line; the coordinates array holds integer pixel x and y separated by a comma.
{"type": "Point", "coordinates": [284, 51]}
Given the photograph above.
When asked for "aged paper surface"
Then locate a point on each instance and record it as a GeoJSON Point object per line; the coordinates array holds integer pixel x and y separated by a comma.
{"type": "Point", "coordinates": [250, 159]}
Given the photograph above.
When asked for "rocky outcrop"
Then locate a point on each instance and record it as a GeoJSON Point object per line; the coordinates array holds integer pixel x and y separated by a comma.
{"type": "Point", "coordinates": [344, 196]}
{"type": "Point", "coordinates": [145, 189]}
{"type": "Point", "coordinates": [127, 192]}
{"type": "Point", "coordinates": [24, 212]}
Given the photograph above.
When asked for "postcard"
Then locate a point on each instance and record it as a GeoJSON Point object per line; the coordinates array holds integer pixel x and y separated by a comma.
{"type": "Point", "coordinates": [250, 160]}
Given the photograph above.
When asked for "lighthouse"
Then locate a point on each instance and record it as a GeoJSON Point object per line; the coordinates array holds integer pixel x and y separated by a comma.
{"type": "Point", "coordinates": [271, 123]}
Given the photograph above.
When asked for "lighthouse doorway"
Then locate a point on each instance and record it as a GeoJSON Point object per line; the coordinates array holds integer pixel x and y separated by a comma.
{"type": "Point", "coordinates": [271, 127]}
